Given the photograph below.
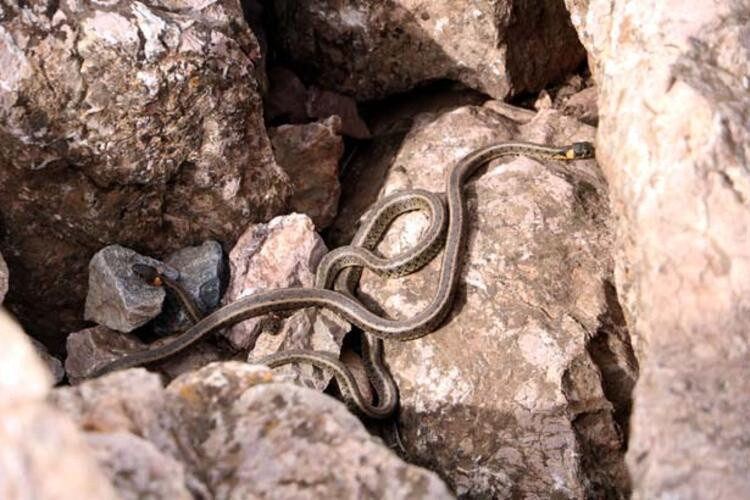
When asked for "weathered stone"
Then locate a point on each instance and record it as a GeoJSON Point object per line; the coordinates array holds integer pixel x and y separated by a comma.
{"type": "Point", "coordinates": [124, 122]}
{"type": "Point", "coordinates": [323, 103]}
{"type": "Point", "coordinates": [505, 399]}
{"type": "Point", "coordinates": [53, 364]}
{"type": "Point", "coordinates": [310, 155]}
{"type": "Point", "coordinates": [90, 348]}
{"type": "Point", "coordinates": [33, 435]}
{"type": "Point", "coordinates": [203, 275]}
{"type": "Point", "coordinates": [230, 434]}
{"type": "Point", "coordinates": [3, 279]}
{"type": "Point", "coordinates": [117, 297]}
{"type": "Point", "coordinates": [283, 253]}
{"type": "Point", "coordinates": [287, 97]}
{"type": "Point", "coordinates": [674, 143]}
{"type": "Point", "coordinates": [369, 49]}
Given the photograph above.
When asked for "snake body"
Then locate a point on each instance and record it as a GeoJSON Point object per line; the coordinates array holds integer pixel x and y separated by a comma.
{"type": "Point", "coordinates": [341, 301]}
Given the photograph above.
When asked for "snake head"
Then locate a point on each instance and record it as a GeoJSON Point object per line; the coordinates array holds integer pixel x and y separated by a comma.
{"type": "Point", "coordinates": [149, 274]}
{"type": "Point", "coordinates": [579, 151]}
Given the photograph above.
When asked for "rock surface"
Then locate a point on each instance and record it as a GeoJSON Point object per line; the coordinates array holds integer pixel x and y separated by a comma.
{"type": "Point", "coordinates": [33, 435]}
{"type": "Point", "coordinates": [226, 432]}
{"type": "Point", "coordinates": [3, 278]}
{"type": "Point", "coordinates": [310, 155]}
{"type": "Point", "coordinates": [370, 49]}
{"type": "Point", "coordinates": [283, 253]}
{"type": "Point", "coordinates": [124, 122]}
{"type": "Point", "coordinates": [505, 399]}
{"type": "Point", "coordinates": [673, 94]}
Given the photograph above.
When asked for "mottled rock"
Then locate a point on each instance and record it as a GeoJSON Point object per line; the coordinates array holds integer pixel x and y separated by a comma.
{"type": "Point", "coordinates": [53, 364]}
{"type": "Point", "coordinates": [231, 434]}
{"type": "Point", "coordinates": [283, 253]}
{"type": "Point", "coordinates": [674, 143]}
{"type": "Point", "coordinates": [203, 275]}
{"type": "Point", "coordinates": [34, 436]}
{"type": "Point", "coordinates": [370, 49]}
{"type": "Point", "coordinates": [582, 105]}
{"type": "Point", "coordinates": [117, 297]}
{"type": "Point", "coordinates": [90, 348]}
{"type": "Point", "coordinates": [310, 155]}
{"type": "Point", "coordinates": [323, 103]}
{"type": "Point", "coordinates": [283, 441]}
{"type": "Point", "coordinates": [505, 400]}
{"type": "Point", "coordinates": [124, 122]}
{"type": "Point", "coordinates": [3, 278]}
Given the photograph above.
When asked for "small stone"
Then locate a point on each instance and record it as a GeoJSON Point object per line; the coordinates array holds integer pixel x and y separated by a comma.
{"type": "Point", "coordinates": [203, 275]}
{"type": "Point", "coordinates": [117, 297]}
{"type": "Point", "coordinates": [322, 104]}
{"type": "Point", "coordinates": [3, 278]}
{"type": "Point", "coordinates": [282, 253]}
{"type": "Point", "coordinates": [53, 364]}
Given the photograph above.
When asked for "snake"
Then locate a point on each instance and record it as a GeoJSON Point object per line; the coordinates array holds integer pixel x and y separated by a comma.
{"type": "Point", "coordinates": [342, 301]}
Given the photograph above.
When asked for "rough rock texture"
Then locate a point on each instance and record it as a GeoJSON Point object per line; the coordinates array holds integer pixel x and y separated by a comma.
{"type": "Point", "coordinates": [289, 101]}
{"type": "Point", "coordinates": [117, 297]}
{"type": "Point", "coordinates": [507, 398]}
{"type": "Point", "coordinates": [90, 348]}
{"type": "Point", "coordinates": [225, 432]}
{"type": "Point", "coordinates": [3, 278]}
{"type": "Point", "coordinates": [130, 122]}
{"type": "Point", "coordinates": [283, 253]}
{"type": "Point", "coordinates": [203, 274]}
{"type": "Point", "coordinates": [53, 364]}
{"type": "Point", "coordinates": [310, 156]}
{"type": "Point", "coordinates": [370, 49]}
{"type": "Point", "coordinates": [34, 436]}
{"type": "Point", "coordinates": [674, 143]}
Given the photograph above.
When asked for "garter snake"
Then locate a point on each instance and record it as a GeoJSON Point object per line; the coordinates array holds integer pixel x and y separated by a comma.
{"type": "Point", "coordinates": [341, 301]}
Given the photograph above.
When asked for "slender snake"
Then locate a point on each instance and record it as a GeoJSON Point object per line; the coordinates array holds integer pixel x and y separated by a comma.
{"type": "Point", "coordinates": [358, 254]}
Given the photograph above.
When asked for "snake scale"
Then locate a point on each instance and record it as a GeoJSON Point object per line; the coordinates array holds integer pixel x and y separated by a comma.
{"type": "Point", "coordinates": [343, 265]}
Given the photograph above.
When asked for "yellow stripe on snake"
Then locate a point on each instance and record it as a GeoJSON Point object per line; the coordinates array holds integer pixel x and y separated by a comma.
{"type": "Point", "coordinates": [344, 266]}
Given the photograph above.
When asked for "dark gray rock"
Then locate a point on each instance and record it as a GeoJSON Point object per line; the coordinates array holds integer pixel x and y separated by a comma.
{"type": "Point", "coordinates": [117, 297]}
{"type": "Point", "coordinates": [203, 274]}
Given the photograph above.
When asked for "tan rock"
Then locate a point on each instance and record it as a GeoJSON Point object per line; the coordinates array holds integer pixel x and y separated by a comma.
{"type": "Point", "coordinates": [124, 123]}
{"type": "Point", "coordinates": [369, 48]}
{"type": "Point", "coordinates": [505, 399]}
{"type": "Point", "coordinates": [674, 143]}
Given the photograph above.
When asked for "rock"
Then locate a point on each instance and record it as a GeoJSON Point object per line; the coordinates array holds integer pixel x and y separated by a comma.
{"type": "Point", "coordinates": [90, 348]}
{"type": "Point", "coordinates": [310, 156]}
{"type": "Point", "coordinates": [582, 105]}
{"type": "Point", "coordinates": [283, 253]}
{"type": "Point", "coordinates": [203, 274]}
{"type": "Point", "coordinates": [505, 399]}
{"type": "Point", "coordinates": [53, 364]}
{"type": "Point", "coordinates": [231, 434]}
{"type": "Point", "coordinates": [118, 298]}
{"type": "Point", "coordinates": [3, 279]}
{"type": "Point", "coordinates": [33, 435]}
{"type": "Point", "coordinates": [371, 49]}
{"type": "Point", "coordinates": [323, 103]}
{"type": "Point", "coordinates": [673, 141]}
{"type": "Point", "coordinates": [124, 123]}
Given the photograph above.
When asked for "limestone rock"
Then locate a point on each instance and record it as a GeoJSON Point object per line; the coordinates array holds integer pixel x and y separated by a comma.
{"type": "Point", "coordinates": [310, 156]}
{"type": "Point", "coordinates": [370, 49]}
{"type": "Point", "coordinates": [124, 122]}
{"type": "Point", "coordinates": [674, 142]}
{"type": "Point", "coordinates": [505, 399]}
{"type": "Point", "coordinates": [33, 435]}
{"type": "Point", "coordinates": [283, 253]}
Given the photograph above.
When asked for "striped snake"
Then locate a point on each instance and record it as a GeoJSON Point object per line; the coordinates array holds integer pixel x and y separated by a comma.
{"type": "Point", "coordinates": [346, 262]}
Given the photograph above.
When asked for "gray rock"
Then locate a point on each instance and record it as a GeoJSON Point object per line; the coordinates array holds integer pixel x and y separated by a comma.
{"type": "Point", "coordinates": [117, 297]}
{"type": "Point", "coordinates": [505, 400]}
{"type": "Point", "coordinates": [228, 433]}
{"type": "Point", "coordinates": [138, 123]}
{"type": "Point", "coordinates": [203, 274]}
{"type": "Point", "coordinates": [369, 49]}
{"type": "Point", "coordinates": [674, 143]}
{"type": "Point", "coordinates": [3, 278]}
{"type": "Point", "coordinates": [54, 365]}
